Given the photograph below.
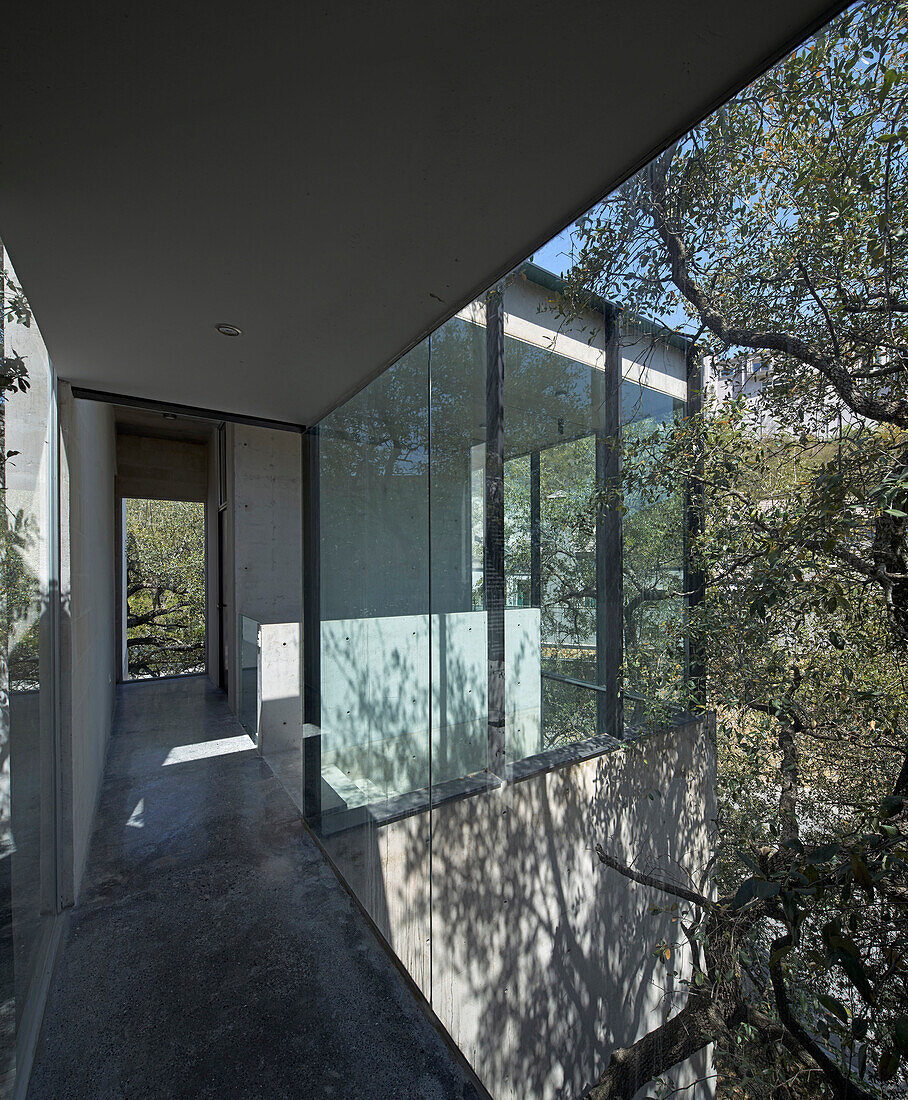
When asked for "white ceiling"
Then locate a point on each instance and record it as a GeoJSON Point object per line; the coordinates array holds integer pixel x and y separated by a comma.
{"type": "Point", "coordinates": [335, 179]}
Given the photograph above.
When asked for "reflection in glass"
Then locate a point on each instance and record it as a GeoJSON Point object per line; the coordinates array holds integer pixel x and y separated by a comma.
{"type": "Point", "coordinates": [653, 568]}
{"type": "Point", "coordinates": [27, 623]}
{"type": "Point", "coordinates": [366, 764]}
{"type": "Point", "coordinates": [373, 476]}
{"type": "Point", "coordinates": [459, 624]}
{"type": "Point", "coordinates": [554, 409]}
{"type": "Point", "coordinates": [569, 711]}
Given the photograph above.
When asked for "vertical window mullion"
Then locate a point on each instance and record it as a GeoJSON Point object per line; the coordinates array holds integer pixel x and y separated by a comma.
{"type": "Point", "coordinates": [609, 544]}
{"type": "Point", "coordinates": [493, 582]}
{"type": "Point", "coordinates": [694, 580]}
{"type": "Point", "coordinates": [312, 688]}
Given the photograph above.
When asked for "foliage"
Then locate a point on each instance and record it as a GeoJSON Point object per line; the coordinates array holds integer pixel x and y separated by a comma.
{"type": "Point", "coordinates": [18, 534]}
{"type": "Point", "coordinates": [165, 584]}
{"type": "Point", "coordinates": [777, 228]}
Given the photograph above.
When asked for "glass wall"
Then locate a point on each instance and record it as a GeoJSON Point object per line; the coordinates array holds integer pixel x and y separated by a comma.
{"type": "Point", "coordinates": [457, 540]}
{"type": "Point", "coordinates": [28, 621]}
{"type": "Point", "coordinates": [367, 747]}
{"type": "Point", "coordinates": [485, 600]}
{"type": "Point", "coordinates": [485, 592]}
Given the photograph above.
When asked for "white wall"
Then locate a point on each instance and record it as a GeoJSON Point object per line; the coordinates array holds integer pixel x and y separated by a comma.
{"type": "Point", "coordinates": [88, 582]}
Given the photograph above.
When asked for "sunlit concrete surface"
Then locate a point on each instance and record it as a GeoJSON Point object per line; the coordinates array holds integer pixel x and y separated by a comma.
{"type": "Point", "coordinates": [213, 952]}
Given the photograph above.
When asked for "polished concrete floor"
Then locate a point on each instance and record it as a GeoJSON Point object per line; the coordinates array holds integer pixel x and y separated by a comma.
{"type": "Point", "coordinates": [213, 953]}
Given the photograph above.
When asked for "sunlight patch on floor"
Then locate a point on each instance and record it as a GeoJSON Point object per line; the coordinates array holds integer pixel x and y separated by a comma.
{"type": "Point", "coordinates": [204, 749]}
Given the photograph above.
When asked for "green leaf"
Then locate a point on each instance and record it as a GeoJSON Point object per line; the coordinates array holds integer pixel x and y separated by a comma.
{"type": "Point", "coordinates": [888, 1065]}
{"type": "Point", "coordinates": [900, 1034]}
{"type": "Point", "coordinates": [754, 889]}
{"type": "Point", "coordinates": [824, 853]}
{"type": "Point", "coordinates": [891, 805]}
{"type": "Point", "coordinates": [854, 968]}
{"type": "Point", "coordinates": [834, 1007]}
{"type": "Point", "coordinates": [861, 872]}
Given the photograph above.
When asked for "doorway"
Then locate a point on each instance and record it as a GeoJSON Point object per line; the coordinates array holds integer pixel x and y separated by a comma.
{"type": "Point", "coordinates": [164, 551]}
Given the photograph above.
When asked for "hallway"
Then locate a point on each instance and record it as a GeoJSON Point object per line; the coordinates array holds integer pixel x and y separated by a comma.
{"type": "Point", "coordinates": [213, 953]}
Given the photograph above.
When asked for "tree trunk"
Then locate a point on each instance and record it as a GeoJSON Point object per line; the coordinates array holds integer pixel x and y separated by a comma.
{"type": "Point", "coordinates": [788, 774]}
{"type": "Point", "coordinates": [702, 1020]}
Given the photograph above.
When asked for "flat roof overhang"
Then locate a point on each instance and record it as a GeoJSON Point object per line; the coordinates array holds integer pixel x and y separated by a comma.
{"type": "Point", "coordinates": [335, 180]}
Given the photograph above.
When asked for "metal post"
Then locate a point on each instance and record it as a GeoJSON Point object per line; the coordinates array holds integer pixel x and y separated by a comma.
{"type": "Point", "coordinates": [312, 672]}
{"type": "Point", "coordinates": [609, 564]}
{"type": "Point", "coordinates": [493, 585]}
{"type": "Point", "coordinates": [535, 532]}
{"type": "Point", "coordinates": [694, 581]}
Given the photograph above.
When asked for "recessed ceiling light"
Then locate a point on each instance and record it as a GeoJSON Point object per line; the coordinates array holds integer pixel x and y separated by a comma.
{"type": "Point", "coordinates": [170, 416]}
{"type": "Point", "coordinates": [229, 330]}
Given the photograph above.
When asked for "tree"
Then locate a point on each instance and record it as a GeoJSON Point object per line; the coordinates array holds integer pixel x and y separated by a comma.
{"type": "Point", "coordinates": [165, 587]}
{"type": "Point", "coordinates": [778, 228]}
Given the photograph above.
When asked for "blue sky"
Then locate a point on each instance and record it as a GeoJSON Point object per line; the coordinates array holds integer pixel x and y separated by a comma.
{"type": "Point", "coordinates": [556, 255]}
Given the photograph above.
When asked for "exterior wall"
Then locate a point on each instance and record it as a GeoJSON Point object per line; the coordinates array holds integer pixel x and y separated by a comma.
{"type": "Point", "coordinates": [89, 658]}
{"type": "Point", "coordinates": [542, 961]}
{"type": "Point", "coordinates": [264, 533]}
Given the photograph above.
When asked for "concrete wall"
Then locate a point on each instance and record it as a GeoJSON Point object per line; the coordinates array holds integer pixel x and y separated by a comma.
{"type": "Point", "coordinates": [539, 961]}
{"type": "Point", "coordinates": [280, 718]}
{"type": "Point", "coordinates": [149, 468]}
{"type": "Point", "coordinates": [89, 652]}
{"type": "Point", "coordinates": [264, 536]}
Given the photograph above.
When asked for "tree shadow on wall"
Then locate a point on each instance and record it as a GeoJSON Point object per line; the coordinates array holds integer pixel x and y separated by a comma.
{"type": "Point", "coordinates": [537, 960]}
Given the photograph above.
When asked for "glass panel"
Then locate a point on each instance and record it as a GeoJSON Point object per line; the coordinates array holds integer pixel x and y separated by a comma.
{"type": "Point", "coordinates": [553, 410]}
{"type": "Point", "coordinates": [459, 623]}
{"type": "Point", "coordinates": [653, 566]}
{"type": "Point", "coordinates": [373, 736]}
{"type": "Point", "coordinates": [569, 711]}
{"type": "Point", "coordinates": [27, 621]}
{"type": "Point", "coordinates": [250, 686]}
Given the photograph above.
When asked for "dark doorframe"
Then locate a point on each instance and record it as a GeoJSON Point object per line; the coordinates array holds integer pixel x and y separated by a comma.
{"type": "Point", "coordinates": [222, 603]}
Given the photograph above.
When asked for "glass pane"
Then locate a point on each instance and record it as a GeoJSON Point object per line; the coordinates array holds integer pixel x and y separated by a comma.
{"type": "Point", "coordinates": [653, 566]}
{"type": "Point", "coordinates": [29, 600]}
{"type": "Point", "coordinates": [569, 711]}
{"type": "Point", "coordinates": [553, 412]}
{"type": "Point", "coordinates": [372, 754]}
{"type": "Point", "coordinates": [459, 623]}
